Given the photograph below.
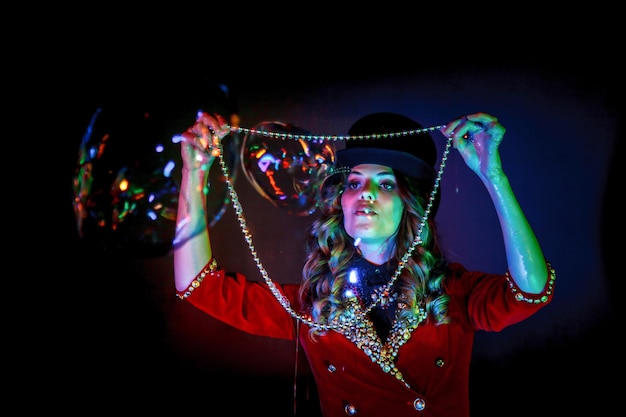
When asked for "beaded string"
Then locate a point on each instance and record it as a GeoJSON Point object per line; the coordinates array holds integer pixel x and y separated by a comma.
{"type": "Point", "coordinates": [284, 302]}
{"type": "Point", "coordinates": [334, 138]}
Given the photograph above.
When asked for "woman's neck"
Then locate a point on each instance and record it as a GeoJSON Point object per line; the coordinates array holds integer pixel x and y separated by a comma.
{"type": "Point", "coordinates": [378, 253]}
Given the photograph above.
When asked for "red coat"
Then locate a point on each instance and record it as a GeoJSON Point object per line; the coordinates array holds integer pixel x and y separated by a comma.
{"type": "Point", "coordinates": [434, 362]}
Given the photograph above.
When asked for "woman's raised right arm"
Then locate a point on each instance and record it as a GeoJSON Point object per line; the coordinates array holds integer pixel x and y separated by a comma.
{"type": "Point", "coordinates": [192, 246]}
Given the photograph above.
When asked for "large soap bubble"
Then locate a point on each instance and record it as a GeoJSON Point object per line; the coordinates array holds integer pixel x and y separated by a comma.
{"type": "Point", "coordinates": [127, 179]}
{"type": "Point", "coordinates": [285, 170]}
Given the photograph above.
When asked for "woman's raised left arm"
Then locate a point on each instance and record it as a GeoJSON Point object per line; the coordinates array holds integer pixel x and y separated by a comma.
{"type": "Point", "coordinates": [477, 138]}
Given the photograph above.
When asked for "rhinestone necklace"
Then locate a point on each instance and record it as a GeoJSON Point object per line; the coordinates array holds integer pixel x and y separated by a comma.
{"type": "Point", "coordinates": [345, 324]}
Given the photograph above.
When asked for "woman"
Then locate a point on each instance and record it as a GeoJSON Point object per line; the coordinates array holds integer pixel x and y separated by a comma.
{"type": "Point", "coordinates": [386, 323]}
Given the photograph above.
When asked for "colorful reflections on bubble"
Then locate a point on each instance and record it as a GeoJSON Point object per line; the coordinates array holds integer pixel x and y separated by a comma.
{"type": "Point", "coordinates": [127, 180]}
{"type": "Point", "coordinates": [285, 171]}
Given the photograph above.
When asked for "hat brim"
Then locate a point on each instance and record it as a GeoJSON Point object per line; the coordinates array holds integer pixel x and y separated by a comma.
{"type": "Point", "coordinates": [404, 162]}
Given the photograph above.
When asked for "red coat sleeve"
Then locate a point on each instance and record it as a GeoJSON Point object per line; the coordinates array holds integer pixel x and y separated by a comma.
{"type": "Point", "coordinates": [493, 300]}
{"type": "Point", "coordinates": [249, 306]}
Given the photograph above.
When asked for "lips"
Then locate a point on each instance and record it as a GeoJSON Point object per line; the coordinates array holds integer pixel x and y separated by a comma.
{"type": "Point", "coordinates": [365, 210]}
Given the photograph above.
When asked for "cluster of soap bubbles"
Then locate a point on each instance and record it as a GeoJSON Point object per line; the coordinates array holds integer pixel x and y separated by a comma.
{"type": "Point", "coordinates": [127, 176]}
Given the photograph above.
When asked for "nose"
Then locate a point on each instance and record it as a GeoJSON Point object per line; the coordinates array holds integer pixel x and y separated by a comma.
{"type": "Point", "coordinates": [367, 195]}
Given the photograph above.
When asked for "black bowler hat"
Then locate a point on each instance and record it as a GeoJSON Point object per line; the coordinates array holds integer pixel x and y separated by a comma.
{"type": "Point", "coordinates": [410, 150]}
{"type": "Point", "coordinates": [412, 153]}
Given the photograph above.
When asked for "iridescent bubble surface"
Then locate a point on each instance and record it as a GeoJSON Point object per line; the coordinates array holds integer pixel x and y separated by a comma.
{"type": "Point", "coordinates": [127, 180]}
{"type": "Point", "coordinates": [285, 171]}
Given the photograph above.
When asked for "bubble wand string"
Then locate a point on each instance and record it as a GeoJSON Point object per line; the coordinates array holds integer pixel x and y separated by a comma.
{"type": "Point", "coordinates": [334, 138]}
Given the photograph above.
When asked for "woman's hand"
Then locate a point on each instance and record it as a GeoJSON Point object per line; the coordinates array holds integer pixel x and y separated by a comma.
{"type": "Point", "coordinates": [477, 138]}
{"type": "Point", "coordinates": [200, 144]}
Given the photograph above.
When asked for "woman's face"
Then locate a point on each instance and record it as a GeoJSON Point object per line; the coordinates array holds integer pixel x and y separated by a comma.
{"type": "Point", "coordinates": [372, 207]}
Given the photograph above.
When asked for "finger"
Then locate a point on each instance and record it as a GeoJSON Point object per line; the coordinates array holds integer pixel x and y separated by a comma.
{"type": "Point", "coordinates": [491, 127]}
{"type": "Point", "coordinates": [192, 138]}
{"type": "Point", "coordinates": [481, 118]}
{"type": "Point", "coordinates": [462, 139]}
{"type": "Point", "coordinates": [488, 124]}
{"type": "Point", "coordinates": [188, 136]}
{"type": "Point", "coordinates": [215, 123]}
{"type": "Point", "coordinates": [449, 130]}
{"type": "Point", "coordinates": [204, 117]}
{"type": "Point", "coordinates": [223, 124]}
{"type": "Point", "coordinates": [463, 130]}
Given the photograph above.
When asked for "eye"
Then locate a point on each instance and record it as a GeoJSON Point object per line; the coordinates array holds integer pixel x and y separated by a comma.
{"type": "Point", "coordinates": [353, 185]}
{"type": "Point", "coordinates": [387, 186]}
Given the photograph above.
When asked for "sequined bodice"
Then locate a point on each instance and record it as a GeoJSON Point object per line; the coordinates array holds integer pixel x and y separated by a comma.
{"type": "Point", "coordinates": [380, 333]}
{"type": "Point", "coordinates": [366, 281]}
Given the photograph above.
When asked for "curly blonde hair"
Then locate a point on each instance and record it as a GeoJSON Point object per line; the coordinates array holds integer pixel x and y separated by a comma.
{"type": "Point", "coordinates": [330, 251]}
